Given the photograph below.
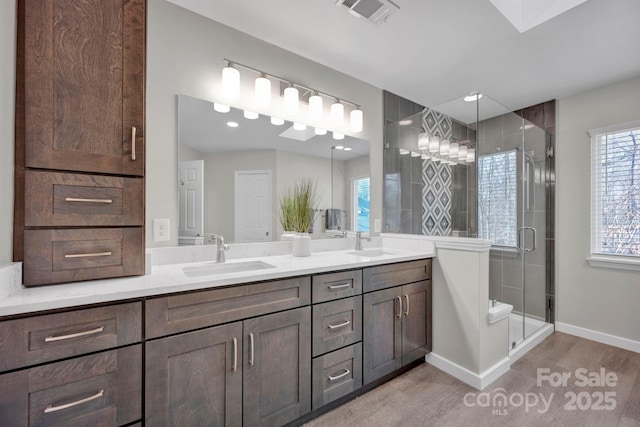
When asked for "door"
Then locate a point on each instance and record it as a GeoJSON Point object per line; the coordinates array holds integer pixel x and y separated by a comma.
{"type": "Point", "coordinates": [277, 368]}
{"type": "Point", "coordinates": [84, 85]}
{"type": "Point", "coordinates": [416, 321]}
{"type": "Point", "coordinates": [191, 198]}
{"type": "Point", "coordinates": [195, 379]}
{"type": "Point", "coordinates": [252, 206]}
{"type": "Point", "coordinates": [382, 333]}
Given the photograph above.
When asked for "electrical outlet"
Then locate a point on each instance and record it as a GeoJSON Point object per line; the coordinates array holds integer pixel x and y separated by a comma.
{"type": "Point", "coordinates": [377, 225]}
{"type": "Point", "coordinates": [160, 230]}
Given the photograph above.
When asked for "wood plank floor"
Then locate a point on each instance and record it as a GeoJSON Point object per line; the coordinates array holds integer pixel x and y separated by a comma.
{"type": "Point", "coordinates": [426, 396]}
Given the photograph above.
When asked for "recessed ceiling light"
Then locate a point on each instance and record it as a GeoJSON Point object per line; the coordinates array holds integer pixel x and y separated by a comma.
{"type": "Point", "coordinates": [339, 147]}
{"type": "Point", "coordinates": [232, 124]}
{"type": "Point", "coordinates": [299, 126]}
{"type": "Point", "coordinates": [320, 131]}
{"type": "Point", "coordinates": [251, 115]}
{"type": "Point", "coordinates": [405, 122]}
{"type": "Point", "coordinates": [276, 121]}
{"type": "Point", "coordinates": [221, 108]}
{"type": "Point", "coordinates": [473, 96]}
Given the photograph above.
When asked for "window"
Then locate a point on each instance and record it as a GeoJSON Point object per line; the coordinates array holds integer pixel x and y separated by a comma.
{"type": "Point", "coordinates": [497, 198]}
{"type": "Point", "coordinates": [615, 192]}
{"type": "Point", "coordinates": [361, 195]}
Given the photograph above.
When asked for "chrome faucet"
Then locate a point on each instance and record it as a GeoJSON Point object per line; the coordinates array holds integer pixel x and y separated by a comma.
{"type": "Point", "coordinates": [359, 240]}
{"type": "Point", "coordinates": [220, 248]}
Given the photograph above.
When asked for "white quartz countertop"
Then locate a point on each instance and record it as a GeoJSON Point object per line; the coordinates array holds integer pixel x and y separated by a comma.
{"type": "Point", "coordinates": [170, 278]}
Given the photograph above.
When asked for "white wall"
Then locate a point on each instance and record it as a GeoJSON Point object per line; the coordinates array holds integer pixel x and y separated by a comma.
{"type": "Point", "coordinates": [185, 55]}
{"type": "Point", "coordinates": [7, 101]}
{"type": "Point", "coordinates": [602, 300]}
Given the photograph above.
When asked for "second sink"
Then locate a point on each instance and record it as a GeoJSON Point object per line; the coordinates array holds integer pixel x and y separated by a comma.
{"type": "Point", "coordinates": [232, 267]}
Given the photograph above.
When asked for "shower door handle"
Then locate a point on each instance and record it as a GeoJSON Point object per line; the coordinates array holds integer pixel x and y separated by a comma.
{"type": "Point", "coordinates": [521, 231]}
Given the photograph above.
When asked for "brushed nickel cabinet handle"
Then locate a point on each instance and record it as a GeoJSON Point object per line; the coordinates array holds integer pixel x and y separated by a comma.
{"type": "Point", "coordinates": [74, 199]}
{"type": "Point", "coordinates": [133, 143]}
{"type": "Point", "coordinates": [406, 298]}
{"type": "Point", "coordinates": [52, 408]}
{"type": "Point", "coordinates": [340, 325]}
{"type": "Point", "coordinates": [334, 287]}
{"type": "Point", "coordinates": [399, 315]}
{"type": "Point", "coordinates": [235, 354]}
{"type": "Point", "coordinates": [342, 375]}
{"type": "Point", "coordinates": [95, 254]}
{"type": "Point", "coordinates": [251, 359]}
{"type": "Point", "coordinates": [53, 338]}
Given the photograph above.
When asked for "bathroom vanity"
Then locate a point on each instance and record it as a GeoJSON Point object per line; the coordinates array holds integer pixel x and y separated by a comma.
{"type": "Point", "coordinates": [263, 347]}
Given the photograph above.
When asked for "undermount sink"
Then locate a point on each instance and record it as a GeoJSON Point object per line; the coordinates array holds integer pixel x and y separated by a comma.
{"type": "Point", "coordinates": [232, 267]}
{"type": "Point", "coordinates": [370, 253]}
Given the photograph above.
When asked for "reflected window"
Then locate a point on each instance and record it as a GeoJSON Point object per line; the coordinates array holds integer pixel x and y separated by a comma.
{"type": "Point", "coordinates": [497, 198]}
{"type": "Point", "coordinates": [361, 195]}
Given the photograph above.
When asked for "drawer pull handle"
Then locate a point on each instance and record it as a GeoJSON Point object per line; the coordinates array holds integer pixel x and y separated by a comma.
{"type": "Point", "coordinates": [87, 255]}
{"type": "Point", "coordinates": [342, 375]}
{"type": "Point", "coordinates": [76, 335]}
{"type": "Point", "coordinates": [133, 143]}
{"type": "Point", "coordinates": [52, 408]}
{"type": "Point", "coordinates": [235, 354]}
{"type": "Point", "coordinates": [399, 315]}
{"type": "Point", "coordinates": [75, 199]}
{"type": "Point", "coordinates": [406, 297]}
{"type": "Point", "coordinates": [334, 287]}
{"type": "Point", "coordinates": [340, 325]}
{"type": "Point", "coordinates": [251, 358]}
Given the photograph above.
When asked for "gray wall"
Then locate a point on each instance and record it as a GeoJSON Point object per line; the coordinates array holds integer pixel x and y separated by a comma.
{"type": "Point", "coordinates": [600, 299]}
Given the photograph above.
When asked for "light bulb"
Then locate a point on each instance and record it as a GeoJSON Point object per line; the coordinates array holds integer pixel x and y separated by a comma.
{"type": "Point", "coordinates": [462, 152]}
{"type": "Point", "coordinates": [251, 115]}
{"type": "Point", "coordinates": [263, 92]}
{"type": "Point", "coordinates": [434, 144]}
{"type": "Point", "coordinates": [320, 131]}
{"type": "Point", "coordinates": [337, 114]}
{"type": "Point", "coordinates": [337, 135]}
{"type": "Point", "coordinates": [355, 120]}
{"type": "Point", "coordinates": [221, 108]}
{"type": "Point", "coordinates": [291, 102]}
{"type": "Point", "coordinates": [230, 82]}
{"type": "Point", "coordinates": [315, 107]}
{"type": "Point", "coordinates": [423, 141]}
{"type": "Point", "coordinates": [444, 147]}
{"type": "Point", "coordinates": [453, 150]}
{"type": "Point", "coordinates": [299, 126]}
{"type": "Point", "coordinates": [277, 121]}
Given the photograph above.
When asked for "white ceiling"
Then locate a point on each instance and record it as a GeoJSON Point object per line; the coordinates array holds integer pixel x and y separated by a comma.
{"type": "Point", "coordinates": [432, 51]}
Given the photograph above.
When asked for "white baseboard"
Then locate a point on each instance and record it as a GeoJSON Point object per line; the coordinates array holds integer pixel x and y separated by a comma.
{"type": "Point", "coordinates": [600, 337]}
{"type": "Point", "coordinates": [478, 381]}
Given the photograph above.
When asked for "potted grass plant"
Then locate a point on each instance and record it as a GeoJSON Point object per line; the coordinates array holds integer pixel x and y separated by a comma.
{"type": "Point", "coordinates": [297, 212]}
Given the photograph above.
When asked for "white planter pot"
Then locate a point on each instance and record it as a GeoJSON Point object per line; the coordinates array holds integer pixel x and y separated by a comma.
{"type": "Point", "coordinates": [287, 235]}
{"type": "Point", "coordinates": [301, 244]}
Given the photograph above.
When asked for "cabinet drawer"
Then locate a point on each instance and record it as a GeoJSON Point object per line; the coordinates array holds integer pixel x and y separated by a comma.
{"type": "Point", "coordinates": [56, 256]}
{"type": "Point", "coordinates": [68, 199]}
{"type": "Point", "coordinates": [387, 276]}
{"type": "Point", "coordinates": [179, 313]}
{"type": "Point", "coordinates": [336, 324]}
{"type": "Point", "coordinates": [99, 389]}
{"type": "Point", "coordinates": [336, 374]}
{"type": "Point", "coordinates": [25, 342]}
{"type": "Point", "coordinates": [327, 287]}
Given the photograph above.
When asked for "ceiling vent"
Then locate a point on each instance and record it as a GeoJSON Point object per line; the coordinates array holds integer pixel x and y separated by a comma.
{"type": "Point", "coordinates": [374, 11]}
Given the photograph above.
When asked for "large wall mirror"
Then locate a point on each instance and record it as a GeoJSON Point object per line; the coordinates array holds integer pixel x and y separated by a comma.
{"type": "Point", "coordinates": [232, 171]}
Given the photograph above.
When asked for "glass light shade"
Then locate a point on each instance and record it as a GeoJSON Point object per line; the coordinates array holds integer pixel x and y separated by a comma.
{"type": "Point", "coordinates": [299, 126]}
{"type": "Point", "coordinates": [315, 107]}
{"type": "Point", "coordinates": [347, 148]}
{"type": "Point", "coordinates": [339, 147]}
{"type": "Point", "coordinates": [251, 115]}
{"type": "Point", "coordinates": [230, 83]}
{"type": "Point", "coordinates": [232, 124]}
{"type": "Point", "coordinates": [414, 154]}
{"type": "Point", "coordinates": [338, 136]}
{"type": "Point", "coordinates": [423, 141]}
{"type": "Point", "coordinates": [453, 150]}
{"type": "Point", "coordinates": [337, 114]}
{"type": "Point", "coordinates": [320, 131]}
{"type": "Point", "coordinates": [434, 144]}
{"type": "Point", "coordinates": [424, 157]}
{"type": "Point", "coordinates": [471, 155]}
{"type": "Point", "coordinates": [277, 121]}
{"type": "Point", "coordinates": [263, 92]}
{"type": "Point", "coordinates": [355, 121]}
{"type": "Point", "coordinates": [444, 147]}
{"type": "Point", "coordinates": [291, 102]}
{"type": "Point", "coordinates": [462, 152]}
{"type": "Point", "coordinates": [435, 159]}
{"type": "Point", "coordinates": [221, 108]}
{"type": "Point", "coordinates": [403, 152]}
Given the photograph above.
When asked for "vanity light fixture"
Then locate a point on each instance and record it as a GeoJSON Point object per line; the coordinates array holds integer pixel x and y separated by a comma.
{"type": "Point", "coordinates": [462, 152]}
{"type": "Point", "coordinates": [338, 136]}
{"type": "Point", "coordinates": [338, 147]}
{"type": "Point", "coordinates": [263, 92]}
{"type": "Point", "coordinates": [232, 124]}
{"type": "Point", "coordinates": [403, 152]}
{"type": "Point", "coordinates": [251, 115]}
{"type": "Point", "coordinates": [299, 126]}
{"type": "Point", "coordinates": [444, 147]}
{"type": "Point", "coordinates": [473, 96]}
{"type": "Point", "coordinates": [337, 113]}
{"type": "Point", "coordinates": [320, 131]}
{"type": "Point", "coordinates": [414, 154]}
{"type": "Point", "coordinates": [277, 121]}
{"type": "Point", "coordinates": [405, 122]}
{"type": "Point", "coordinates": [471, 155]}
{"type": "Point", "coordinates": [355, 120]}
{"type": "Point", "coordinates": [291, 100]}
{"type": "Point", "coordinates": [221, 108]}
{"type": "Point", "coordinates": [424, 156]}
{"type": "Point", "coordinates": [315, 107]}
{"type": "Point", "coordinates": [434, 144]}
{"type": "Point", "coordinates": [423, 141]}
{"type": "Point", "coordinates": [347, 148]}
{"type": "Point", "coordinates": [230, 82]}
{"type": "Point", "coordinates": [453, 150]}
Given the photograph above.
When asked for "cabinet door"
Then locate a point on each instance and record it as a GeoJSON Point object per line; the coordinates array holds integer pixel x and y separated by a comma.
{"type": "Point", "coordinates": [84, 85]}
{"type": "Point", "coordinates": [277, 368]}
{"type": "Point", "coordinates": [416, 321]}
{"type": "Point", "coordinates": [382, 322]}
{"type": "Point", "coordinates": [195, 379]}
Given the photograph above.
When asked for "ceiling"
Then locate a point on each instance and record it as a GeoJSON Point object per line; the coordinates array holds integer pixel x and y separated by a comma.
{"type": "Point", "coordinates": [432, 51]}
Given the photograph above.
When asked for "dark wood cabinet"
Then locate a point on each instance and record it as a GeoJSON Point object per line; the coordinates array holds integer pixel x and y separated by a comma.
{"type": "Point", "coordinates": [277, 368]}
{"type": "Point", "coordinates": [80, 98]}
{"type": "Point", "coordinates": [416, 321]}
{"type": "Point", "coordinates": [195, 379]}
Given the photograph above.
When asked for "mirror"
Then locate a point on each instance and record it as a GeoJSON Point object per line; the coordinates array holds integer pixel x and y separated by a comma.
{"type": "Point", "coordinates": [230, 179]}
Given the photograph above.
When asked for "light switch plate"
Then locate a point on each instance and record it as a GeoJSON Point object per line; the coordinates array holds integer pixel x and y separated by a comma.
{"type": "Point", "coordinates": [160, 230]}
